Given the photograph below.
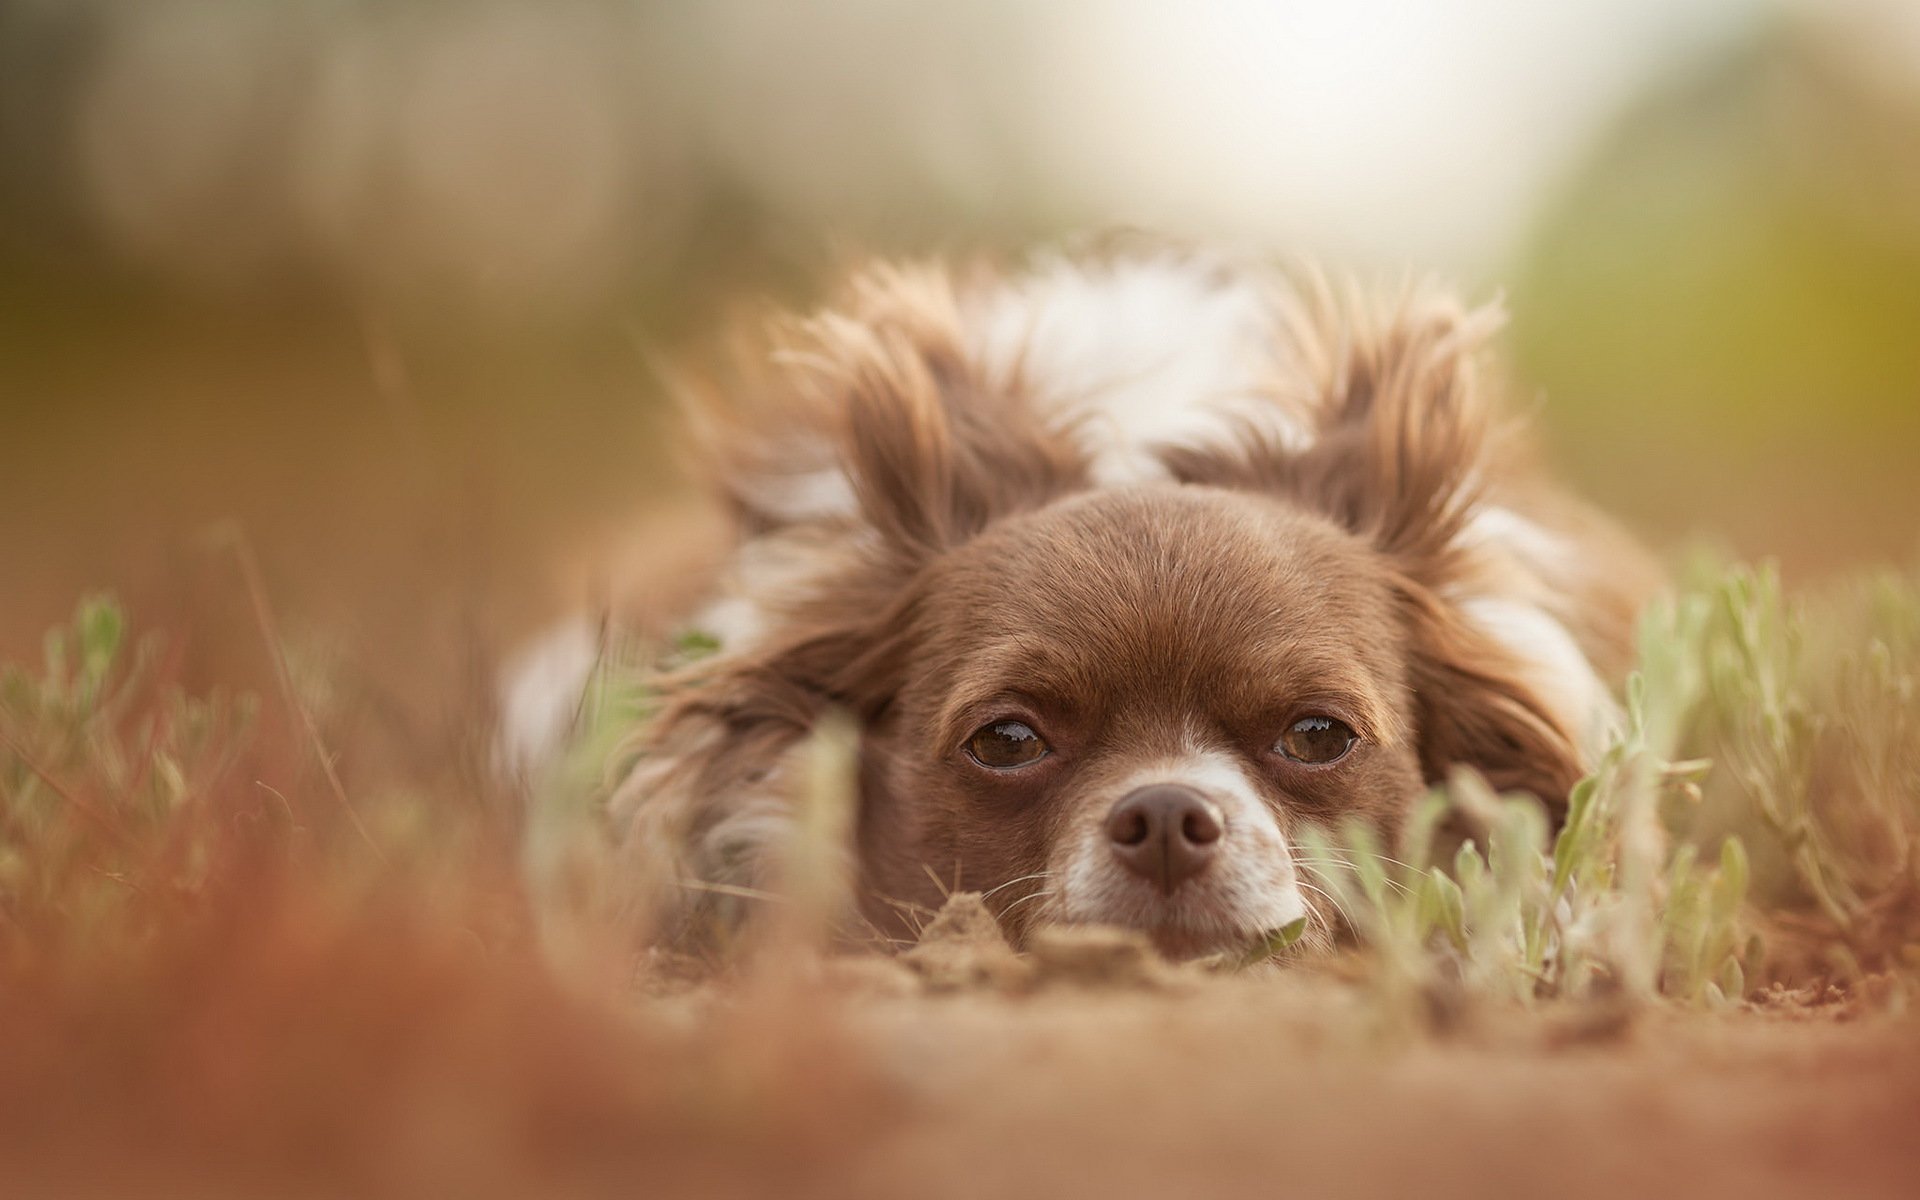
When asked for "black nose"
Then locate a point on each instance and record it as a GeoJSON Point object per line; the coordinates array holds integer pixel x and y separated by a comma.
{"type": "Point", "coordinates": [1164, 833]}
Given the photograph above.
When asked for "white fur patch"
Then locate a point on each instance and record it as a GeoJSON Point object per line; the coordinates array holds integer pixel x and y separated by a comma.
{"type": "Point", "coordinates": [778, 564]}
{"type": "Point", "coordinates": [1137, 354]}
{"type": "Point", "coordinates": [1558, 671]}
{"type": "Point", "coordinates": [1250, 889]}
{"type": "Point", "coordinates": [1506, 531]}
{"type": "Point", "coordinates": [540, 693]}
{"type": "Point", "coordinates": [819, 494]}
{"type": "Point", "coordinates": [1141, 354]}
{"type": "Point", "coordinates": [733, 621]}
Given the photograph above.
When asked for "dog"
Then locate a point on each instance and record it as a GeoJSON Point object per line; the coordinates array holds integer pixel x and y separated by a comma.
{"type": "Point", "coordinates": [1131, 566]}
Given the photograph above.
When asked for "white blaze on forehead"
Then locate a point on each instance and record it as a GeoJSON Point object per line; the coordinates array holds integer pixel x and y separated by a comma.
{"type": "Point", "coordinates": [1251, 887]}
{"type": "Point", "coordinates": [1142, 353]}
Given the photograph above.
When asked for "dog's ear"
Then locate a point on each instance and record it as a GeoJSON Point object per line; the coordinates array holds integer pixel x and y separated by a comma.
{"type": "Point", "coordinates": [1408, 444]}
{"type": "Point", "coordinates": [1407, 438]}
{"type": "Point", "coordinates": [1395, 437]}
{"type": "Point", "coordinates": [1403, 442]}
{"type": "Point", "coordinates": [707, 808]}
{"type": "Point", "coordinates": [873, 414]}
{"type": "Point", "coordinates": [1474, 705]}
{"type": "Point", "coordinates": [863, 446]}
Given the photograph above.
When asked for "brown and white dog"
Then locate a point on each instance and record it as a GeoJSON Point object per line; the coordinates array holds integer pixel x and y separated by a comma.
{"type": "Point", "coordinates": [1130, 567]}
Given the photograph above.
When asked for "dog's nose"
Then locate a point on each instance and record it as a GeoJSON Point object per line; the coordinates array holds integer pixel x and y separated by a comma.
{"type": "Point", "coordinates": [1165, 833]}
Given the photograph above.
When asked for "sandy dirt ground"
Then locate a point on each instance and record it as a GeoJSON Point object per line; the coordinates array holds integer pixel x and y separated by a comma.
{"type": "Point", "coordinates": [378, 1063]}
{"type": "Point", "coordinates": [1255, 1089]}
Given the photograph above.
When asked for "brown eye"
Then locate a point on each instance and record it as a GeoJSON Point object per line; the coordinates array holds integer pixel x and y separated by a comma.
{"type": "Point", "coordinates": [1005, 745]}
{"type": "Point", "coordinates": [1317, 740]}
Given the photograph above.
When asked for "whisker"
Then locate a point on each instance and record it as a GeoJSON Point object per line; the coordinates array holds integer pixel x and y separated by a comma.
{"type": "Point", "coordinates": [1029, 896]}
{"type": "Point", "coordinates": [1009, 883]}
{"type": "Point", "coordinates": [1349, 865]}
{"type": "Point", "coordinates": [730, 889]}
{"type": "Point", "coordinates": [916, 914]}
{"type": "Point", "coordinates": [1333, 900]}
{"type": "Point", "coordinates": [1385, 858]}
{"type": "Point", "coordinates": [946, 893]}
{"type": "Point", "coordinates": [878, 936]}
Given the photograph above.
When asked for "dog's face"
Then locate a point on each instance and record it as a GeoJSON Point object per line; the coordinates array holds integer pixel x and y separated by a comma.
{"type": "Point", "coordinates": [1122, 708]}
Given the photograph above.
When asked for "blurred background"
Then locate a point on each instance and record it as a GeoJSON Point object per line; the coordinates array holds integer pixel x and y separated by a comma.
{"type": "Point", "coordinates": [388, 285]}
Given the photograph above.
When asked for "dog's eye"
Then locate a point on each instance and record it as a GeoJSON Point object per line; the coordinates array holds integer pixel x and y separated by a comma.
{"type": "Point", "coordinates": [1004, 745]}
{"type": "Point", "coordinates": [1317, 740]}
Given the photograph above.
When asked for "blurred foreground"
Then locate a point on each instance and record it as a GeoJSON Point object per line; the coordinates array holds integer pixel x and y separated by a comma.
{"type": "Point", "coordinates": [395, 287]}
{"type": "Point", "coordinates": [225, 971]}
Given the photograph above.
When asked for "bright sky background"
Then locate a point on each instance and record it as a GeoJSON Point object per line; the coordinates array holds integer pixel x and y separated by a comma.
{"type": "Point", "coordinates": [1389, 130]}
{"type": "Point", "coordinates": [542, 145]}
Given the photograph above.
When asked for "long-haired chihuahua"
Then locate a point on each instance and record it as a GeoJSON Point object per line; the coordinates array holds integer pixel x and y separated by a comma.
{"type": "Point", "coordinates": [1130, 567]}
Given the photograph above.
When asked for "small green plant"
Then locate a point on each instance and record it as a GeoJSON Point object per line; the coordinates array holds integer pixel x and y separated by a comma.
{"type": "Point", "coordinates": [1813, 715]}
{"type": "Point", "coordinates": [1752, 721]}
{"type": "Point", "coordinates": [102, 770]}
{"type": "Point", "coordinates": [568, 852]}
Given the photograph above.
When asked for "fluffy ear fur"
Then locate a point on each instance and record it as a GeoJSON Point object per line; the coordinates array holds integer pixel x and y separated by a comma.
{"type": "Point", "coordinates": [1407, 457]}
{"type": "Point", "coordinates": [707, 808]}
{"type": "Point", "coordinates": [1473, 707]}
{"type": "Point", "coordinates": [876, 416]}
{"type": "Point", "coordinates": [871, 448]}
{"type": "Point", "coordinates": [1404, 452]}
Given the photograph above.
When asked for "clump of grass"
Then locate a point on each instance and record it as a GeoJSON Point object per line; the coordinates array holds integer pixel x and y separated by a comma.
{"type": "Point", "coordinates": [1812, 714]}
{"type": "Point", "coordinates": [104, 772]}
{"type": "Point", "coordinates": [200, 986]}
{"type": "Point", "coordinates": [578, 880]}
{"type": "Point", "coordinates": [567, 853]}
{"type": "Point", "coordinates": [1755, 728]}
{"type": "Point", "coordinates": [128, 803]}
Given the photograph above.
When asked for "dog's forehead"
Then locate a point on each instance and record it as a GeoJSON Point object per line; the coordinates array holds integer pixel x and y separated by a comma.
{"type": "Point", "coordinates": [1168, 552]}
{"type": "Point", "coordinates": [1168, 580]}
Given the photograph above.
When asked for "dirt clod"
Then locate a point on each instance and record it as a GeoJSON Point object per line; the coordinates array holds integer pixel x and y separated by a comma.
{"type": "Point", "coordinates": [871, 976]}
{"type": "Point", "coordinates": [963, 949]}
{"type": "Point", "coordinates": [1605, 1020]}
{"type": "Point", "coordinates": [1099, 956]}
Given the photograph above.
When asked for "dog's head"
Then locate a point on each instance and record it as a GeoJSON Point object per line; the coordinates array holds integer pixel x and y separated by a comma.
{"type": "Point", "coordinates": [1106, 692]}
{"type": "Point", "coordinates": [1130, 700]}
